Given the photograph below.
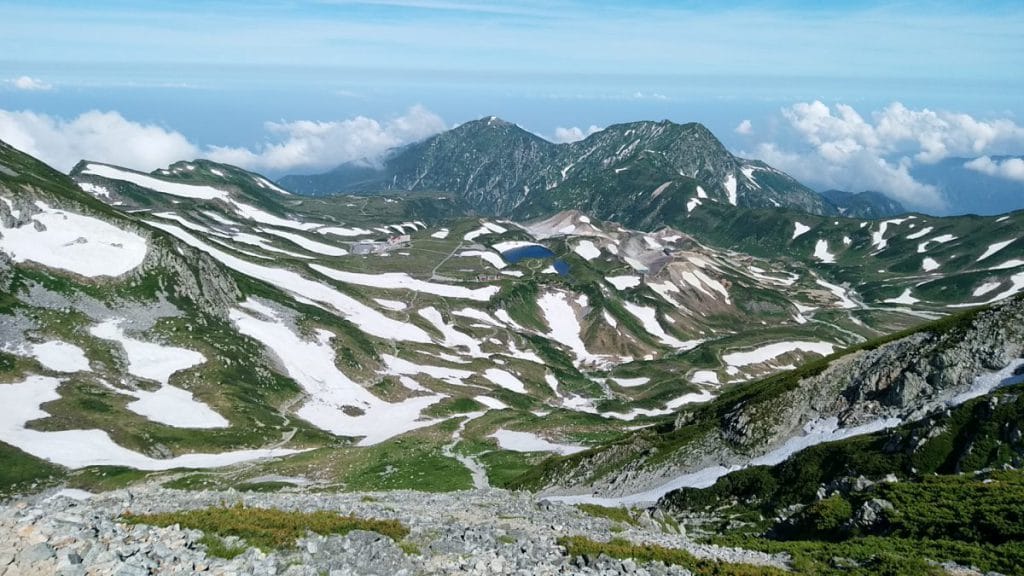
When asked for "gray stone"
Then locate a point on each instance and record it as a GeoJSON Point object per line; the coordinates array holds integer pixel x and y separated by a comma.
{"type": "Point", "coordinates": [38, 553]}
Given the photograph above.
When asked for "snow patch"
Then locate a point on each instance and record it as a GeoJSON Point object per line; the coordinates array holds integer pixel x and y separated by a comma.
{"type": "Point", "coordinates": [992, 249]}
{"type": "Point", "coordinates": [730, 188]}
{"type": "Point", "coordinates": [173, 188]}
{"type": "Point", "coordinates": [401, 280]}
{"type": "Point", "coordinates": [530, 442]}
{"type": "Point", "coordinates": [81, 448]}
{"type": "Point", "coordinates": [904, 298]}
{"type": "Point", "coordinates": [335, 403]}
{"type": "Point", "coordinates": [80, 244]}
{"type": "Point", "coordinates": [648, 317]}
{"type": "Point", "coordinates": [366, 318]}
{"type": "Point", "coordinates": [799, 229]}
{"type": "Point", "coordinates": [770, 351]}
{"type": "Point", "coordinates": [587, 250]}
{"type": "Point", "coordinates": [58, 356]}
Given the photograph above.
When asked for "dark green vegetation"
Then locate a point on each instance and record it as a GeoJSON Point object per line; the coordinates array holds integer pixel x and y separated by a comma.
{"type": "Point", "coordinates": [981, 434]}
{"type": "Point", "coordinates": [944, 507]}
{"type": "Point", "coordinates": [20, 472]}
{"type": "Point", "coordinates": [868, 204]}
{"type": "Point", "coordinates": [618, 548]}
{"type": "Point", "coordinates": [269, 529]}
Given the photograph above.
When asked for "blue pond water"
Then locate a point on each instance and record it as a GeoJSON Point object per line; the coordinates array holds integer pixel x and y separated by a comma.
{"type": "Point", "coordinates": [514, 255]}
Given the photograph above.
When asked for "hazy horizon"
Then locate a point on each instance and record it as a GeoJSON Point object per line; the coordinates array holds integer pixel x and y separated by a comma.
{"type": "Point", "coordinates": [853, 95]}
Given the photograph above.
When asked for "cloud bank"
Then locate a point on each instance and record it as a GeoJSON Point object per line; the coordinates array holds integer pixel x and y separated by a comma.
{"type": "Point", "coordinates": [838, 147]}
{"type": "Point", "coordinates": [745, 128]}
{"type": "Point", "coordinates": [299, 145]}
{"type": "Point", "coordinates": [574, 134]}
{"type": "Point", "coordinates": [1010, 168]}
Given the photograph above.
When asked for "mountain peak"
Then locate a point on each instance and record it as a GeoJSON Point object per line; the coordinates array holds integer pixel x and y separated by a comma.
{"type": "Point", "coordinates": [485, 122]}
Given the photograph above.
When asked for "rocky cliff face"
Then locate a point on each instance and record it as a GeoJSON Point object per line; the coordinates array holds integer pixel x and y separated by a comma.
{"type": "Point", "coordinates": [899, 381]}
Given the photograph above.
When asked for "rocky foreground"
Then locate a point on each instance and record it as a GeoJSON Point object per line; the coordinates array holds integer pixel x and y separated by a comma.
{"type": "Point", "coordinates": [474, 532]}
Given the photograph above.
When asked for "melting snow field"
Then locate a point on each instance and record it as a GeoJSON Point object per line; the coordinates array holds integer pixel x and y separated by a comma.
{"type": "Point", "coordinates": [799, 229]}
{"type": "Point", "coordinates": [844, 298]}
{"type": "Point", "coordinates": [985, 289]}
{"type": "Point", "coordinates": [145, 359]}
{"type": "Point", "coordinates": [904, 298]}
{"type": "Point", "coordinates": [923, 246]}
{"type": "Point", "coordinates": [631, 382]}
{"type": "Point", "coordinates": [366, 318]}
{"type": "Point", "coordinates": [59, 356]}
{"type": "Point", "coordinates": [565, 328]}
{"type": "Point", "coordinates": [80, 448]}
{"type": "Point", "coordinates": [878, 239]}
{"type": "Point", "coordinates": [929, 264]}
{"type": "Point", "coordinates": [648, 317]}
{"type": "Point", "coordinates": [771, 351]}
{"type": "Point", "coordinates": [992, 249]}
{"type": "Point", "coordinates": [530, 442]}
{"type": "Point", "coordinates": [336, 403]}
{"type": "Point", "coordinates": [623, 282]}
{"type": "Point", "coordinates": [491, 258]}
{"type": "Point", "coordinates": [505, 379]}
{"type": "Point", "coordinates": [173, 188]}
{"type": "Point", "coordinates": [168, 405]}
{"type": "Point", "coordinates": [704, 377]}
{"type": "Point", "coordinates": [821, 252]}
{"type": "Point", "coordinates": [80, 244]}
{"type": "Point", "coordinates": [587, 250]}
{"type": "Point", "coordinates": [306, 243]}
{"type": "Point", "coordinates": [401, 280]}
{"type": "Point", "coordinates": [730, 188]}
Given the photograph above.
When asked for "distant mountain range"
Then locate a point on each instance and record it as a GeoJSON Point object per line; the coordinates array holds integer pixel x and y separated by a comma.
{"type": "Point", "coordinates": [642, 174]}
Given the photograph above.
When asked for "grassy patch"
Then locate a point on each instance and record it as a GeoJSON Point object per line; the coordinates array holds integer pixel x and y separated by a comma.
{"type": "Point", "coordinates": [19, 470]}
{"type": "Point", "coordinates": [104, 478]}
{"type": "Point", "coordinates": [622, 549]}
{"type": "Point", "coordinates": [267, 528]}
{"type": "Point", "coordinates": [614, 514]}
{"type": "Point", "coordinates": [891, 556]}
{"type": "Point", "coordinates": [216, 547]}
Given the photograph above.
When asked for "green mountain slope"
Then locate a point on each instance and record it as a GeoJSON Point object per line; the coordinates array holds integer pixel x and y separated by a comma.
{"type": "Point", "coordinates": [649, 168]}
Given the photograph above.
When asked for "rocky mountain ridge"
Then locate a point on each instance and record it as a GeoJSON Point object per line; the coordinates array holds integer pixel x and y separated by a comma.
{"type": "Point", "coordinates": [900, 381]}
{"type": "Point", "coordinates": [498, 169]}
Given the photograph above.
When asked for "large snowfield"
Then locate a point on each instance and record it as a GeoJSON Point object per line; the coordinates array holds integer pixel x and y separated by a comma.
{"type": "Point", "coordinates": [80, 244]}
{"type": "Point", "coordinates": [80, 448]}
{"type": "Point", "coordinates": [335, 403]}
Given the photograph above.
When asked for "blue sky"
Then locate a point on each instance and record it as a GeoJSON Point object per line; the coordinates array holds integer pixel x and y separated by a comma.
{"type": "Point", "coordinates": [215, 73]}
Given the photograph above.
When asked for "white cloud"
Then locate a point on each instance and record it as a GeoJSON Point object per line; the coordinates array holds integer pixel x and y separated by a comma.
{"type": "Point", "coordinates": [300, 145]}
{"type": "Point", "coordinates": [1010, 168]}
{"type": "Point", "coordinates": [841, 148]}
{"type": "Point", "coordinates": [312, 145]}
{"type": "Point", "coordinates": [574, 134]}
{"type": "Point", "coordinates": [31, 84]}
{"type": "Point", "coordinates": [744, 127]}
{"type": "Point", "coordinates": [102, 136]}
